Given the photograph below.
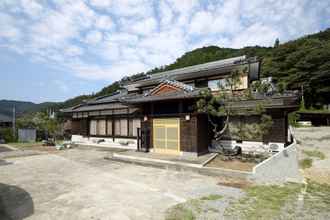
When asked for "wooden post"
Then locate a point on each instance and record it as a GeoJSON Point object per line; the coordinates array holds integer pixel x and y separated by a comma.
{"type": "Point", "coordinates": [180, 107]}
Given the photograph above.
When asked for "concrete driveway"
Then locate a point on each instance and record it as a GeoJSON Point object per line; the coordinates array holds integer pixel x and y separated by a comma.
{"type": "Point", "coordinates": [80, 184]}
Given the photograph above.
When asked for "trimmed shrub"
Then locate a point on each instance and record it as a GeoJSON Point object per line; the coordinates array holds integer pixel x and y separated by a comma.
{"type": "Point", "coordinates": [7, 134]}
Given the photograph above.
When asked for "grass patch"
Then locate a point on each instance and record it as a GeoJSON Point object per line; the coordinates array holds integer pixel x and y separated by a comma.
{"type": "Point", "coordinates": [306, 163]}
{"type": "Point", "coordinates": [317, 198]}
{"type": "Point", "coordinates": [315, 153]}
{"type": "Point", "coordinates": [263, 202]}
{"type": "Point", "coordinates": [179, 212]}
{"type": "Point", "coordinates": [212, 197]}
{"type": "Point", "coordinates": [192, 208]}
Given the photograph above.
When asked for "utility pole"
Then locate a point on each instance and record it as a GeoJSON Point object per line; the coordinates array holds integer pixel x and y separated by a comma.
{"type": "Point", "coordinates": [14, 122]}
{"type": "Point", "coordinates": [302, 104]}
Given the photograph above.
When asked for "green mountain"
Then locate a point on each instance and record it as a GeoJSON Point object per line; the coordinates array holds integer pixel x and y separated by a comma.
{"type": "Point", "coordinates": [304, 62]}
{"type": "Point", "coordinates": [6, 107]}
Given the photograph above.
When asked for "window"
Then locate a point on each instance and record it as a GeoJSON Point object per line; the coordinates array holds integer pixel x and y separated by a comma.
{"type": "Point", "coordinates": [136, 125]}
{"type": "Point", "coordinates": [101, 129]}
{"type": "Point", "coordinates": [92, 127]}
{"type": "Point", "coordinates": [117, 127]}
{"type": "Point", "coordinates": [218, 84]}
{"type": "Point", "coordinates": [121, 128]}
{"type": "Point", "coordinates": [130, 127]}
{"type": "Point", "coordinates": [109, 131]}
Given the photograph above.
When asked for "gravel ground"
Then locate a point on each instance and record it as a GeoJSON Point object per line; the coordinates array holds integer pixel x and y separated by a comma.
{"type": "Point", "coordinates": [80, 184]}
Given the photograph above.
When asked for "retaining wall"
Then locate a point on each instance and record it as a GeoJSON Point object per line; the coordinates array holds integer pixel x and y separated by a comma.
{"type": "Point", "coordinates": [280, 168]}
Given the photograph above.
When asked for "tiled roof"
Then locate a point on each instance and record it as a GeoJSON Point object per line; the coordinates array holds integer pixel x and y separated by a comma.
{"type": "Point", "coordinates": [98, 103]}
{"type": "Point", "coordinates": [107, 98]}
{"type": "Point", "coordinates": [165, 96]}
{"type": "Point", "coordinates": [224, 66]}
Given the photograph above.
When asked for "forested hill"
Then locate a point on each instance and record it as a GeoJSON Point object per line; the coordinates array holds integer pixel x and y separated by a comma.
{"type": "Point", "coordinates": [301, 62]}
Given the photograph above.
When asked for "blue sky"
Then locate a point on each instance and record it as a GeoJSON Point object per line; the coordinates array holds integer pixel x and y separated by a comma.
{"type": "Point", "coordinates": [54, 50]}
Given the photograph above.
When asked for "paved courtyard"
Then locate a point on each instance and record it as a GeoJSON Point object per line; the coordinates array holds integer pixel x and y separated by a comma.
{"type": "Point", "coordinates": [80, 184]}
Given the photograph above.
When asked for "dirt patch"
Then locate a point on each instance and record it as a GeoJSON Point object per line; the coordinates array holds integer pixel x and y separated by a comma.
{"type": "Point", "coordinates": [236, 183]}
{"type": "Point", "coordinates": [234, 164]}
{"type": "Point", "coordinates": [318, 175]}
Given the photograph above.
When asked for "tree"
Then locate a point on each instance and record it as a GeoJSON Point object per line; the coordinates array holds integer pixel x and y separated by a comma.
{"type": "Point", "coordinates": [222, 106]}
{"type": "Point", "coordinates": [42, 122]}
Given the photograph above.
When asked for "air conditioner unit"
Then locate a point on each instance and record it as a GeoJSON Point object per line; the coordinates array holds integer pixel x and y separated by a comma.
{"type": "Point", "coordinates": [276, 147]}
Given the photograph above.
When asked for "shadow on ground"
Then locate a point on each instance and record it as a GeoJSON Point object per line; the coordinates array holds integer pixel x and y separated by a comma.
{"type": "Point", "coordinates": [4, 162]}
{"type": "Point", "coordinates": [15, 203]}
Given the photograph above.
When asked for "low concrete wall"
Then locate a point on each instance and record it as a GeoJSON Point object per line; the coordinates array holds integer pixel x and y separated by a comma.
{"type": "Point", "coordinates": [280, 168]}
{"type": "Point", "coordinates": [124, 143]}
{"type": "Point", "coordinates": [181, 166]}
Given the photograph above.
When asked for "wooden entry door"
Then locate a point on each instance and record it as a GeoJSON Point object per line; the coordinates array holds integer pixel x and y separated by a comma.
{"type": "Point", "coordinates": [166, 135]}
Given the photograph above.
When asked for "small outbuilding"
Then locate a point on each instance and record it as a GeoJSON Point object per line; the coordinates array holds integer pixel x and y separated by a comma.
{"type": "Point", "coordinates": [27, 135]}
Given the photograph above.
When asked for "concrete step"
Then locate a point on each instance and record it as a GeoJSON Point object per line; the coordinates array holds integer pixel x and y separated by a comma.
{"type": "Point", "coordinates": [181, 166]}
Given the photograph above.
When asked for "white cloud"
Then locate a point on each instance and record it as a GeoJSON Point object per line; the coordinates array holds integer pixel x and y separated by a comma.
{"type": "Point", "coordinates": [94, 37]}
{"type": "Point", "coordinates": [165, 14]}
{"type": "Point", "coordinates": [9, 29]}
{"type": "Point", "coordinates": [32, 8]}
{"type": "Point", "coordinates": [223, 18]}
{"type": "Point", "coordinates": [201, 23]}
{"type": "Point", "coordinates": [104, 22]}
{"type": "Point", "coordinates": [145, 26]}
{"type": "Point", "coordinates": [101, 3]}
{"type": "Point", "coordinates": [107, 39]}
{"type": "Point", "coordinates": [73, 51]}
{"type": "Point", "coordinates": [112, 72]}
{"type": "Point", "coordinates": [266, 36]}
{"type": "Point", "coordinates": [123, 38]}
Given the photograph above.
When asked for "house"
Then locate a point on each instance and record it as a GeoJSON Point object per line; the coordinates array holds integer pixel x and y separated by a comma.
{"type": "Point", "coordinates": [5, 121]}
{"type": "Point", "coordinates": [158, 112]}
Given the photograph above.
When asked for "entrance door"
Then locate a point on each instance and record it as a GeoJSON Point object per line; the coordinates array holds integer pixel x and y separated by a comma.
{"type": "Point", "coordinates": [166, 135]}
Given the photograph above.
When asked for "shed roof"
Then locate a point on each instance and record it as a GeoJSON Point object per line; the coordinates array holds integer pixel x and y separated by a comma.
{"type": "Point", "coordinates": [5, 118]}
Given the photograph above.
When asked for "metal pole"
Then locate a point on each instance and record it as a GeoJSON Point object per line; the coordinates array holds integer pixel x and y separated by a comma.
{"type": "Point", "coordinates": [14, 122]}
